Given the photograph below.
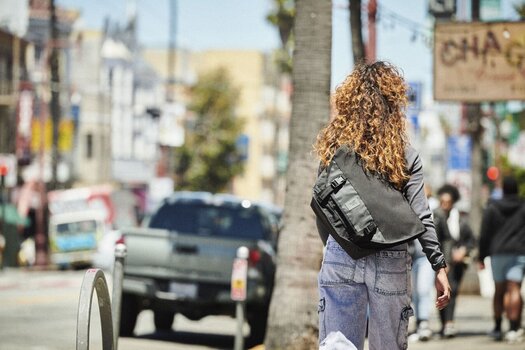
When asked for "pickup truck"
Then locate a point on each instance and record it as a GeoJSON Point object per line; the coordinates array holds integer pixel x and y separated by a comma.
{"type": "Point", "coordinates": [181, 262]}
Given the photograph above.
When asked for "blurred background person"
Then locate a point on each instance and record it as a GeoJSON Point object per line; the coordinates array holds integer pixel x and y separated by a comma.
{"type": "Point", "coordinates": [457, 241]}
{"type": "Point", "coordinates": [502, 237]}
{"type": "Point", "coordinates": [422, 281]}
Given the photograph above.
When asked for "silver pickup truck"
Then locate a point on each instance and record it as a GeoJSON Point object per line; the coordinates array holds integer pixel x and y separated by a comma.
{"type": "Point", "coordinates": [181, 262]}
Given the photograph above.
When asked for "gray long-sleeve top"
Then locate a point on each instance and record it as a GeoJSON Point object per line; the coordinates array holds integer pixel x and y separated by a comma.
{"type": "Point", "coordinates": [415, 194]}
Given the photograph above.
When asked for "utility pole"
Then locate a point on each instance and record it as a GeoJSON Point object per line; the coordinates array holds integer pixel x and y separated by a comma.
{"type": "Point", "coordinates": [166, 167]}
{"type": "Point", "coordinates": [371, 44]}
{"type": "Point", "coordinates": [55, 91]}
{"type": "Point", "coordinates": [172, 52]}
{"type": "Point", "coordinates": [475, 130]}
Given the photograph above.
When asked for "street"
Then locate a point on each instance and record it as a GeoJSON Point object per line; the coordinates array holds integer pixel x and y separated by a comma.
{"type": "Point", "coordinates": [38, 310]}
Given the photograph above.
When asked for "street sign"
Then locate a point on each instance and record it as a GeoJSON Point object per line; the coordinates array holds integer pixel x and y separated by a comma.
{"type": "Point", "coordinates": [414, 95]}
{"type": "Point", "coordinates": [459, 152]}
{"type": "Point", "coordinates": [239, 277]}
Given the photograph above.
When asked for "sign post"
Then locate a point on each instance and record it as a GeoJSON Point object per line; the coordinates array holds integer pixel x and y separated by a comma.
{"type": "Point", "coordinates": [238, 292]}
{"type": "Point", "coordinates": [3, 174]}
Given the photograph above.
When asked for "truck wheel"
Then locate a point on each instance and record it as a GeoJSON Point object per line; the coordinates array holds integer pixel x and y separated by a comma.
{"type": "Point", "coordinates": [257, 322]}
{"type": "Point", "coordinates": [129, 311]}
{"type": "Point", "coordinates": [163, 319]}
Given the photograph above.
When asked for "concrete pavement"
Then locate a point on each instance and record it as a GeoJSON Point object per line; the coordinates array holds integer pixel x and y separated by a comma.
{"type": "Point", "coordinates": [473, 321]}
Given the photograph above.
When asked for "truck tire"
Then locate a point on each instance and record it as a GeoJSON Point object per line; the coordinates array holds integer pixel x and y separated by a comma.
{"type": "Point", "coordinates": [163, 319]}
{"type": "Point", "coordinates": [257, 322]}
{"type": "Point", "coordinates": [129, 311]}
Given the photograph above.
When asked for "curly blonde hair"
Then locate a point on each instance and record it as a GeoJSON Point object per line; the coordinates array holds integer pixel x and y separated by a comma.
{"type": "Point", "coordinates": [370, 119]}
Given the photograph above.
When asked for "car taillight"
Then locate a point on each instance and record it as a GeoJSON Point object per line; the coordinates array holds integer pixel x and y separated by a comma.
{"type": "Point", "coordinates": [254, 257]}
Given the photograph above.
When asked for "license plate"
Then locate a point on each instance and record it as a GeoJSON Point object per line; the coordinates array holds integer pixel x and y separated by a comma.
{"type": "Point", "coordinates": [183, 290]}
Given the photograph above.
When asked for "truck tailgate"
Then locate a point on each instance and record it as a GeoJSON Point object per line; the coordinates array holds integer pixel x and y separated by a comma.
{"type": "Point", "coordinates": [161, 254]}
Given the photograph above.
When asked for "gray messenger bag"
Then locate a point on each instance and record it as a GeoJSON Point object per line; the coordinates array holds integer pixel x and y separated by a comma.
{"type": "Point", "coordinates": [361, 211]}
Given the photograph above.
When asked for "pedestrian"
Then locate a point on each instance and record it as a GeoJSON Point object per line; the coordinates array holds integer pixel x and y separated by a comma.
{"type": "Point", "coordinates": [457, 241]}
{"type": "Point", "coordinates": [370, 120]}
{"type": "Point", "coordinates": [502, 237]}
{"type": "Point", "coordinates": [422, 281]}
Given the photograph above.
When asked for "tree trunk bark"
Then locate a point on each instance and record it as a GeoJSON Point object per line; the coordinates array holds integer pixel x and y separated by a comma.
{"type": "Point", "coordinates": [293, 322]}
{"type": "Point", "coordinates": [356, 25]}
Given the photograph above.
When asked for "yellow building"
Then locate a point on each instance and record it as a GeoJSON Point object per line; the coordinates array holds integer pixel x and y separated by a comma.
{"type": "Point", "coordinates": [260, 104]}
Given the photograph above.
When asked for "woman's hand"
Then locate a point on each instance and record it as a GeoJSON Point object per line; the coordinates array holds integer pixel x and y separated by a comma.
{"type": "Point", "coordinates": [442, 289]}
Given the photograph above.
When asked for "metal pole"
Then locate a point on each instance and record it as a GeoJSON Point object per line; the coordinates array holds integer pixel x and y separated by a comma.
{"type": "Point", "coordinates": [118, 275]}
{"type": "Point", "coordinates": [4, 225]}
{"type": "Point", "coordinates": [55, 91]}
{"type": "Point", "coordinates": [238, 292]}
{"type": "Point", "coordinates": [239, 316]}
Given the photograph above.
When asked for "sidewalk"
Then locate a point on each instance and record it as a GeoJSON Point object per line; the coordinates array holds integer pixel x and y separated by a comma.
{"type": "Point", "coordinates": [473, 321]}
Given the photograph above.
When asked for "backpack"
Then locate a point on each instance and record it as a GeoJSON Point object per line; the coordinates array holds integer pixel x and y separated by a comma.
{"type": "Point", "coordinates": [360, 210]}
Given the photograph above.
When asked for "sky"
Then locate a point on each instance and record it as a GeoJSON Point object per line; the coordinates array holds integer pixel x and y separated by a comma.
{"type": "Point", "coordinates": [241, 24]}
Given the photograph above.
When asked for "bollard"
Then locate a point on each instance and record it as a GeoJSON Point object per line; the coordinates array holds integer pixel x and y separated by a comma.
{"type": "Point", "coordinates": [238, 292]}
{"type": "Point", "coordinates": [94, 279]}
{"type": "Point", "coordinates": [118, 276]}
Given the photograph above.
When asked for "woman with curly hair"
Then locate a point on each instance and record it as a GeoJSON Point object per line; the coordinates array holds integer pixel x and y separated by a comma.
{"type": "Point", "coordinates": [370, 120]}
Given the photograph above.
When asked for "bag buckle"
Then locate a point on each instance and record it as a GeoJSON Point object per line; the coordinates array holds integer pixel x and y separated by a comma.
{"type": "Point", "coordinates": [337, 182]}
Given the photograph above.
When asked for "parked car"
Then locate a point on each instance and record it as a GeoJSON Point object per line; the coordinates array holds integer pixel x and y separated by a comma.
{"type": "Point", "coordinates": [182, 261]}
{"type": "Point", "coordinates": [74, 237]}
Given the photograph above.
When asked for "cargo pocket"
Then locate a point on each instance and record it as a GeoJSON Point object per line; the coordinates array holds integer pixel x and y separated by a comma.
{"type": "Point", "coordinates": [402, 332]}
{"type": "Point", "coordinates": [321, 314]}
{"type": "Point", "coordinates": [391, 272]}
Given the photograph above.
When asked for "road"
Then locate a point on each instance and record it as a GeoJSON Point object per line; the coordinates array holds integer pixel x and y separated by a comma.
{"type": "Point", "coordinates": [38, 311]}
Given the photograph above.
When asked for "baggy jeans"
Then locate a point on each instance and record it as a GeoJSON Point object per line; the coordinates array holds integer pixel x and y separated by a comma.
{"type": "Point", "coordinates": [377, 286]}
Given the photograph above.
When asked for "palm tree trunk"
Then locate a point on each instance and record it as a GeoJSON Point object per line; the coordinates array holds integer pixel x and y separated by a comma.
{"type": "Point", "coordinates": [293, 322]}
{"type": "Point", "coordinates": [356, 25]}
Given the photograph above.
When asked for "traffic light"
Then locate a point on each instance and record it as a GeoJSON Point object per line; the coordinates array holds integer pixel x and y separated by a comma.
{"type": "Point", "coordinates": [3, 170]}
{"type": "Point", "coordinates": [492, 173]}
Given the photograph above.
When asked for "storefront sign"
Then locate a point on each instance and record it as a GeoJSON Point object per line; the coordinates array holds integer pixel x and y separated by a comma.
{"type": "Point", "coordinates": [476, 62]}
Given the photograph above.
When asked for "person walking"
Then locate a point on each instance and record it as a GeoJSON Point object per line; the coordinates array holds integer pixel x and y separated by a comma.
{"type": "Point", "coordinates": [502, 237]}
{"type": "Point", "coordinates": [370, 120]}
{"type": "Point", "coordinates": [457, 240]}
{"type": "Point", "coordinates": [422, 281]}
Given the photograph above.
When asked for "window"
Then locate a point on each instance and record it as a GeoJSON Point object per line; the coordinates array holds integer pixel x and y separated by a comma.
{"type": "Point", "coordinates": [89, 146]}
{"type": "Point", "coordinates": [208, 220]}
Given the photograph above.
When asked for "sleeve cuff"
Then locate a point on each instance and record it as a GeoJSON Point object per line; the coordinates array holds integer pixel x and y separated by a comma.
{"type": "Point", "coordinates": [439, 265]}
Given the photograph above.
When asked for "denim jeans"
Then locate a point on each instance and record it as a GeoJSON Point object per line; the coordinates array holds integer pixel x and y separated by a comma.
{"type": "Point", "coordinates": [377, 286]}
{"type": "Point", "coordinates": [423, 277]}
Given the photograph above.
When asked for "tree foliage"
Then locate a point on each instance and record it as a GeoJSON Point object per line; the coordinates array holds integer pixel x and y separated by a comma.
{"type": "Point", "coordinates": [209, 158]}
{"type": "Point", "coordinates": [283, 17]}
{"type": "Point", "coordinates": [520, 10]}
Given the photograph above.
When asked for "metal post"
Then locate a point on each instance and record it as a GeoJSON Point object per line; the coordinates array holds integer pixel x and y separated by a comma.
{"type": "Point", "coordinates": [3, 201]}
{"type": "Point", "coordinates": [239, 316]}
{"type": "Point", "coordinates": [118, 275]}
{"type": "Point", "coordinates": [238, 292]}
